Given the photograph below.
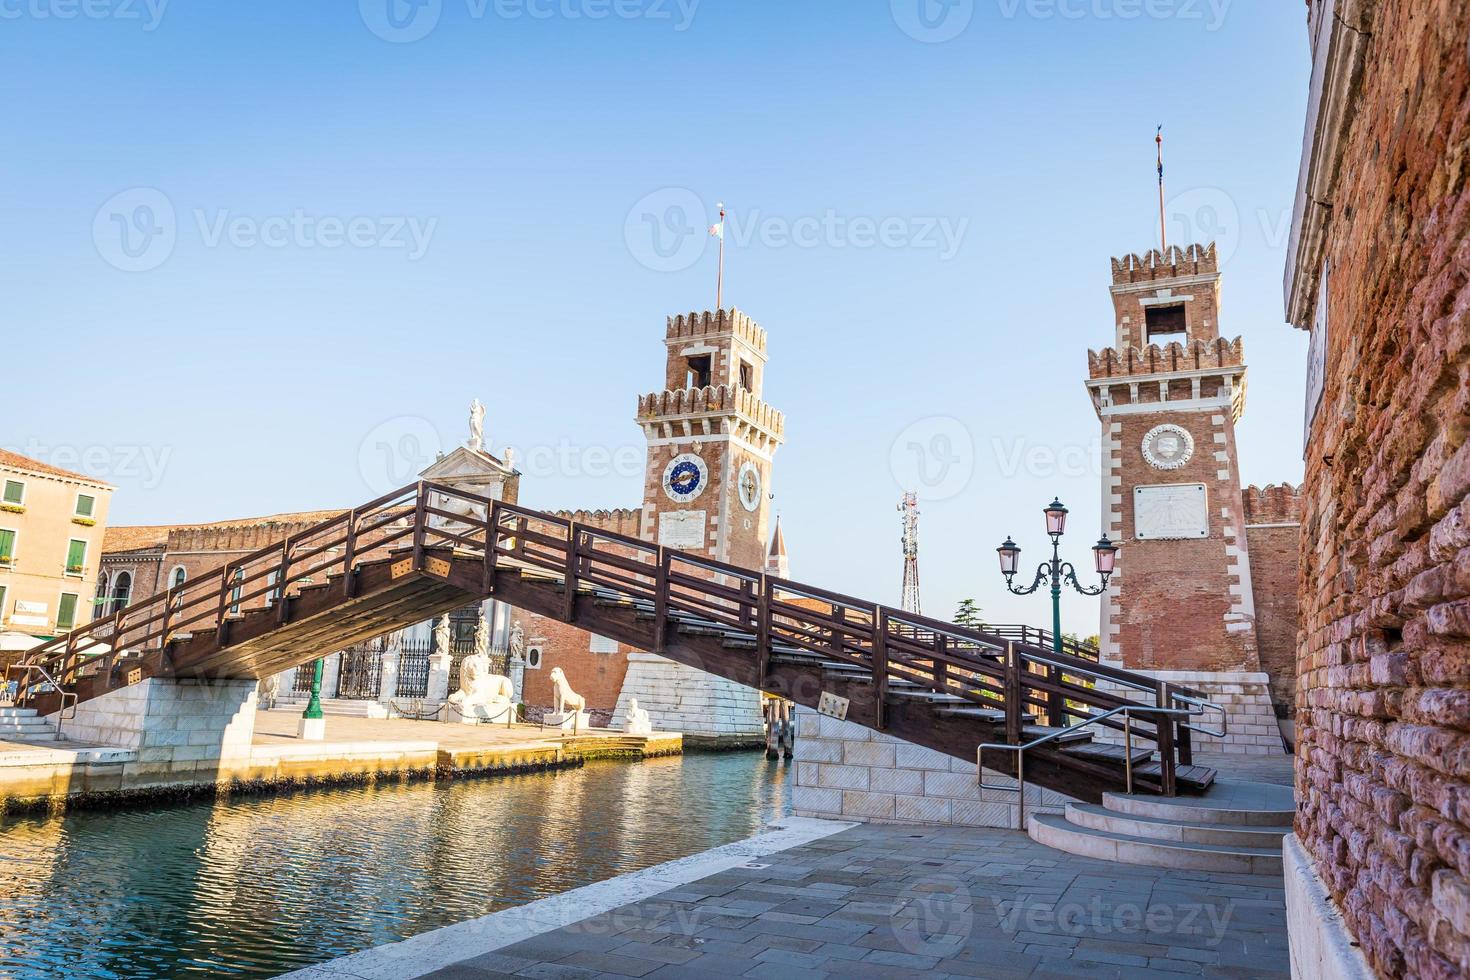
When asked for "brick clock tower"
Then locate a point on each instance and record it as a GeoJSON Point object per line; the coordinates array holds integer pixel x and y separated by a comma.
{"type": "Point", "coordinates": [711, 442]}
{"type": "Point", "coordinates": [1168, 394]}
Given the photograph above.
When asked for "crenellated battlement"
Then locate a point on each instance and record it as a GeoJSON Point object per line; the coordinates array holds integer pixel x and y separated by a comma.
{"type": "Point", "coordinates": [1153, 359]}
{"type": "Point", "coordinates": [619, 520]}
{"type": "Point", "coordinates": [689, 326]}
{"type": "Point", "coordinates": [711, 400]}
{"type": "Point", "coordinates": [1275, 503]}
{"type": "Point", "coordinates": [1191, 260]}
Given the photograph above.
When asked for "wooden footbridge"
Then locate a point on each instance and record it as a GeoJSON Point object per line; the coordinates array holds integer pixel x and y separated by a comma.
{"type": "Point", "coordinates": [430, 548]}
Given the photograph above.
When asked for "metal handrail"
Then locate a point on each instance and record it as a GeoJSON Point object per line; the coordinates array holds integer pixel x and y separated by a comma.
{"type": "Point", "coordinates": [1204, 706]}
{"type": "Point", "coordinates": [1125, 710]}
{"type": "Point", "coordinates": [61, 715]}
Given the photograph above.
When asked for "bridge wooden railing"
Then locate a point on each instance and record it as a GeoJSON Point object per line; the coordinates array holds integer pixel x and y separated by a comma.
{"type": "Point", "coordinates": [992, 669]}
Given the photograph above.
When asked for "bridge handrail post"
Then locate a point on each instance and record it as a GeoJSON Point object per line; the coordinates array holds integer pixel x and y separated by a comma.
{"type": "Point", "coordinates": [661, 600]}
{"type": "Point", "coordinates": [880, 666]}
{"type": "Point", "coordinates": [763, 630]}
{"type": "Point", "coordinates": [349, 554]}
{"type": "Point", "coordinates": [420, 507]}
{"type": "Point", "coordinates": [224, 593]}
{"type": "Point", "coordinates": [1013, 694]}
{"type": "Point", "coordinates": [492, 540]}
{"type": "Point", "coordinates": [574, 543]}
{"type": "Point", "coordinates": [1164, 737]}
{"type": "Point", "coordinates": [283, 575]}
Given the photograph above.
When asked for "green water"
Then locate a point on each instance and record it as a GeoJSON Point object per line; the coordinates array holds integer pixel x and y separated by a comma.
{"type": "Point", "coordinates": [257, 886]}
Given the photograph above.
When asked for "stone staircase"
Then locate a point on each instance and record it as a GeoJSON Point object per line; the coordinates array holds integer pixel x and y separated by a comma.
{"type": "Point", "coordinates": [344, 707]}
{"type": "Point", "coordinates": [25, 725]}
{"type": "Point", "coordinates": [1236, 827]}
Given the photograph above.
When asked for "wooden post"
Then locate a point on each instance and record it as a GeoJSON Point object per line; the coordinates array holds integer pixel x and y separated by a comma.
{"type": "Point", "coordinates": [880, 667]}
{"type": "Point", "coordinates": [281, 576]}
{"type": "Point", "coordinates": [419, 516]}
{"type": "Point", "coordinates": [661, 601]}
{"type": "Point", "coordinates": [349, 555]}
{"type": "Point", "coordinates": [1013, 706]}
{"type": "Point", "coordinates": [1056, 708]}
{"type": "Point", "coordinates": [941, 669]}
{"type": "Point", "coordinates": [221, 627]}
{"type": "Point", "coordinates": [574, 543]}
{"type": "Point", "coordinates": [763, 633]}
{"type": "Point", "coordinates": [788, 729]}
{"type": "Point", "coordinates": [771, 709]}
{"type": "Point", "coordinates": [492, 538]}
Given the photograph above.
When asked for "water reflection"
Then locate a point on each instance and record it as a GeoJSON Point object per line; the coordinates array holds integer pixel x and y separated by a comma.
{"type": "Point", "coordinates": [258, 886]}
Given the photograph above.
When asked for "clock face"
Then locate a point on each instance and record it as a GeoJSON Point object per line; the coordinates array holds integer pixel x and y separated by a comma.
{"type": "Point", "coordinates": [685, 478]}
{"type": "Point", "coordinates": [1168, 447]}
{"type": "Point", "coordinates": [750, 486]}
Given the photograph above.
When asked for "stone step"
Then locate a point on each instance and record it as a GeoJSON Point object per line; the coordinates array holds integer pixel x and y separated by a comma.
{"type": "Point", "coordinates": [1101, 818]}
{"type": "Point", "coordinates": [23, 724]}
{"type": "Point", "coordinates": [17, 713]}
{"type": "Point", "coordinates": [1234, 802]}
{"type": "Point", "coordinates": [1054, 830]}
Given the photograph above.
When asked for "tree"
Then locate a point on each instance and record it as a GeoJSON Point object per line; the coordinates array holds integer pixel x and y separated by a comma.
{"type": "Point", "coordinates": [968, 615]}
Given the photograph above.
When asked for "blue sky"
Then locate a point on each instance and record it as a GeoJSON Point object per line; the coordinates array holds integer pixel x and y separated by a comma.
{"type": "Point", "coordinates": [259, 256]}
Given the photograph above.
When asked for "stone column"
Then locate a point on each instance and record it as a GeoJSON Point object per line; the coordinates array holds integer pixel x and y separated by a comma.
{"type": "Point", "coordinates": [388, 678]}
{"type": "Point", "coordinates": [330, 668]}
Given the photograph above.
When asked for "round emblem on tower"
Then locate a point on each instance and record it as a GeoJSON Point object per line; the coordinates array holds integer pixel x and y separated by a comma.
{"type": "Point", "coordinates": [1168, 447]}
{"type": "Point", "coordinates": [685, 478]}
{"type": "Point", "coordinates": [750, 486]}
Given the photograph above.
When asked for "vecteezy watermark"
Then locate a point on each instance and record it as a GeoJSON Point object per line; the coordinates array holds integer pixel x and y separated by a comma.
{"type": "Point", "coordinates": [570, 459]}
{"type": "Point", "coordinates": [933, 916]}
{"type": "Point", "coordinates": [141, 466]}
{"type": "Point", "coordinates": [1211, 214]}
{"type": "Point", "coordinates": [147, 13]}
{"type": "Point", "coordinates": [137, 230]}
{"type": "Point", "coordinates": [934, 456]}
{"type": "Point", "coordinates": [669, 231]}
{"type": "Point", "coordinates": [396, 451]}
{"type": "Point", "coordinates": [932, 21]}
{"type": "Point", "coordinates": [1098, 917]}
{"type": "Point", "coordinates": [406, 21]}
{"type": "Point", "coordinates": [1020, 456]}
{"type": "Point", "coordinates": [1210, 12]}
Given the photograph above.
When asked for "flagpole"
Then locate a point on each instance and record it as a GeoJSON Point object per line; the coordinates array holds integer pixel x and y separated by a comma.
{"type": "Point", "coordinates": [720, 280]}
{"type": "Point", "coordinates": [1163, 224]}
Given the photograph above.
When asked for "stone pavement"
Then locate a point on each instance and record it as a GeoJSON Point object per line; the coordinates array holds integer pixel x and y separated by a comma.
{"type": "Point", "coordinates": [882, 901]}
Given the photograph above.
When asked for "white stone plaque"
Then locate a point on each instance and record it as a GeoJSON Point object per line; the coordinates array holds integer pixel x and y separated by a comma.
{"type": "Point", "coordinates": [682, 529]}
{"type": "Point", "coordinates": [1317, 356]}
{"type": "Point", "coordinates": [831, 705]}
{"type": "Point", "coordinates": [1178, 510]}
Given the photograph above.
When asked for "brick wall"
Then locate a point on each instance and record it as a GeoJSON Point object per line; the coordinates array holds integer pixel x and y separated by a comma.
{"type": "Point", "coordinates": [1383, 708]}
{"type": "Point", "coordinates": [1273, 535]}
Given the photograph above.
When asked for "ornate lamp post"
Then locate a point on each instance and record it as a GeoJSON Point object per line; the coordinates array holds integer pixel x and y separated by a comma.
{"type": "Point", "coordinates": [1105, 556]}
{"type": "Point", "coordinates": [314, 703]}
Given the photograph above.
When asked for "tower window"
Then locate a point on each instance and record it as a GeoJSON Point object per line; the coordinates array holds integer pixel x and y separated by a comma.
{"type": "Point", "coordinates": [1164, 324]}
{"type": "Point", "coordinates": [747, 377]}
{"type": "Point", "coordinates": [699, 371]}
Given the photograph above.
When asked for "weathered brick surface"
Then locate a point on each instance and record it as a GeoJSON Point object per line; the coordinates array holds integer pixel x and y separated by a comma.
{"type": "Point", "coordinates": [1383, 713]}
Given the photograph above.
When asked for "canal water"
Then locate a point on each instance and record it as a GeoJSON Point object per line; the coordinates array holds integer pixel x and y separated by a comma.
{"type": "Point", "coordinates": [252, 887]}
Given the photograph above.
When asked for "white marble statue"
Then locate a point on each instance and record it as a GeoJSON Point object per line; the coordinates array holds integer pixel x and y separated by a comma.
{"type": "Point", "coordinates": [517, 641]}
{"type": "Point", "coordinates": [442, 638]}
{"type": "Point", "coordinates": [477, 426]}
{"type": "Point", "coordinates": [482, 637]}
{"type": "Point", "coordinates": [637, 722]}
{"type": "Point", "coordinates": [510, 458]}
{"type": "Point", "coordinates": [270, 689]}
{"type": "Point", "coordinates": [482, 695]}
{"type": "Point", "coordinates": [567, 700]}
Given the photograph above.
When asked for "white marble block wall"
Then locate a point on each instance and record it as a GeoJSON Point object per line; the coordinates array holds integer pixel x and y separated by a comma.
{"type": "Point", "coordinates": [847, 772]}
{"type": "Point", "coordinates": [175, 726]}
{"type": "Point", "coordinates": [692, 702]}
{"type": "Point", "coordinates": [1251, 725]}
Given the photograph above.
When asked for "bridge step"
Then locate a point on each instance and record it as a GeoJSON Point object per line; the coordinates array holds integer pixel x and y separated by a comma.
{"type": "Point", "coordinates": [1102, 752]}
{"type": "Point", "coordinates": [1071, 738]}
{"type": "Point", "coordinates": [1054, 830]}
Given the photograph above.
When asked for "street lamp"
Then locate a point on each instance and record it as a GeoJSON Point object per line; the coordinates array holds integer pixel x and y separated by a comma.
{"type": "Point", "coordinates": [1104, 554]}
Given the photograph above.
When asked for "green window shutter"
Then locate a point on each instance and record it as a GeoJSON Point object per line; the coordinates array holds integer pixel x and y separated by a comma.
{"type": "Point", "coordinates": [7, 545]}
{"type": "Point", "coordinates": [66, 611]}
{"type": "Point", "coordinates": [86, 504]}
{"type": "Point", "coordinates": [14, 491]}
{"type": "Point", "coordinates": [76, 555]}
